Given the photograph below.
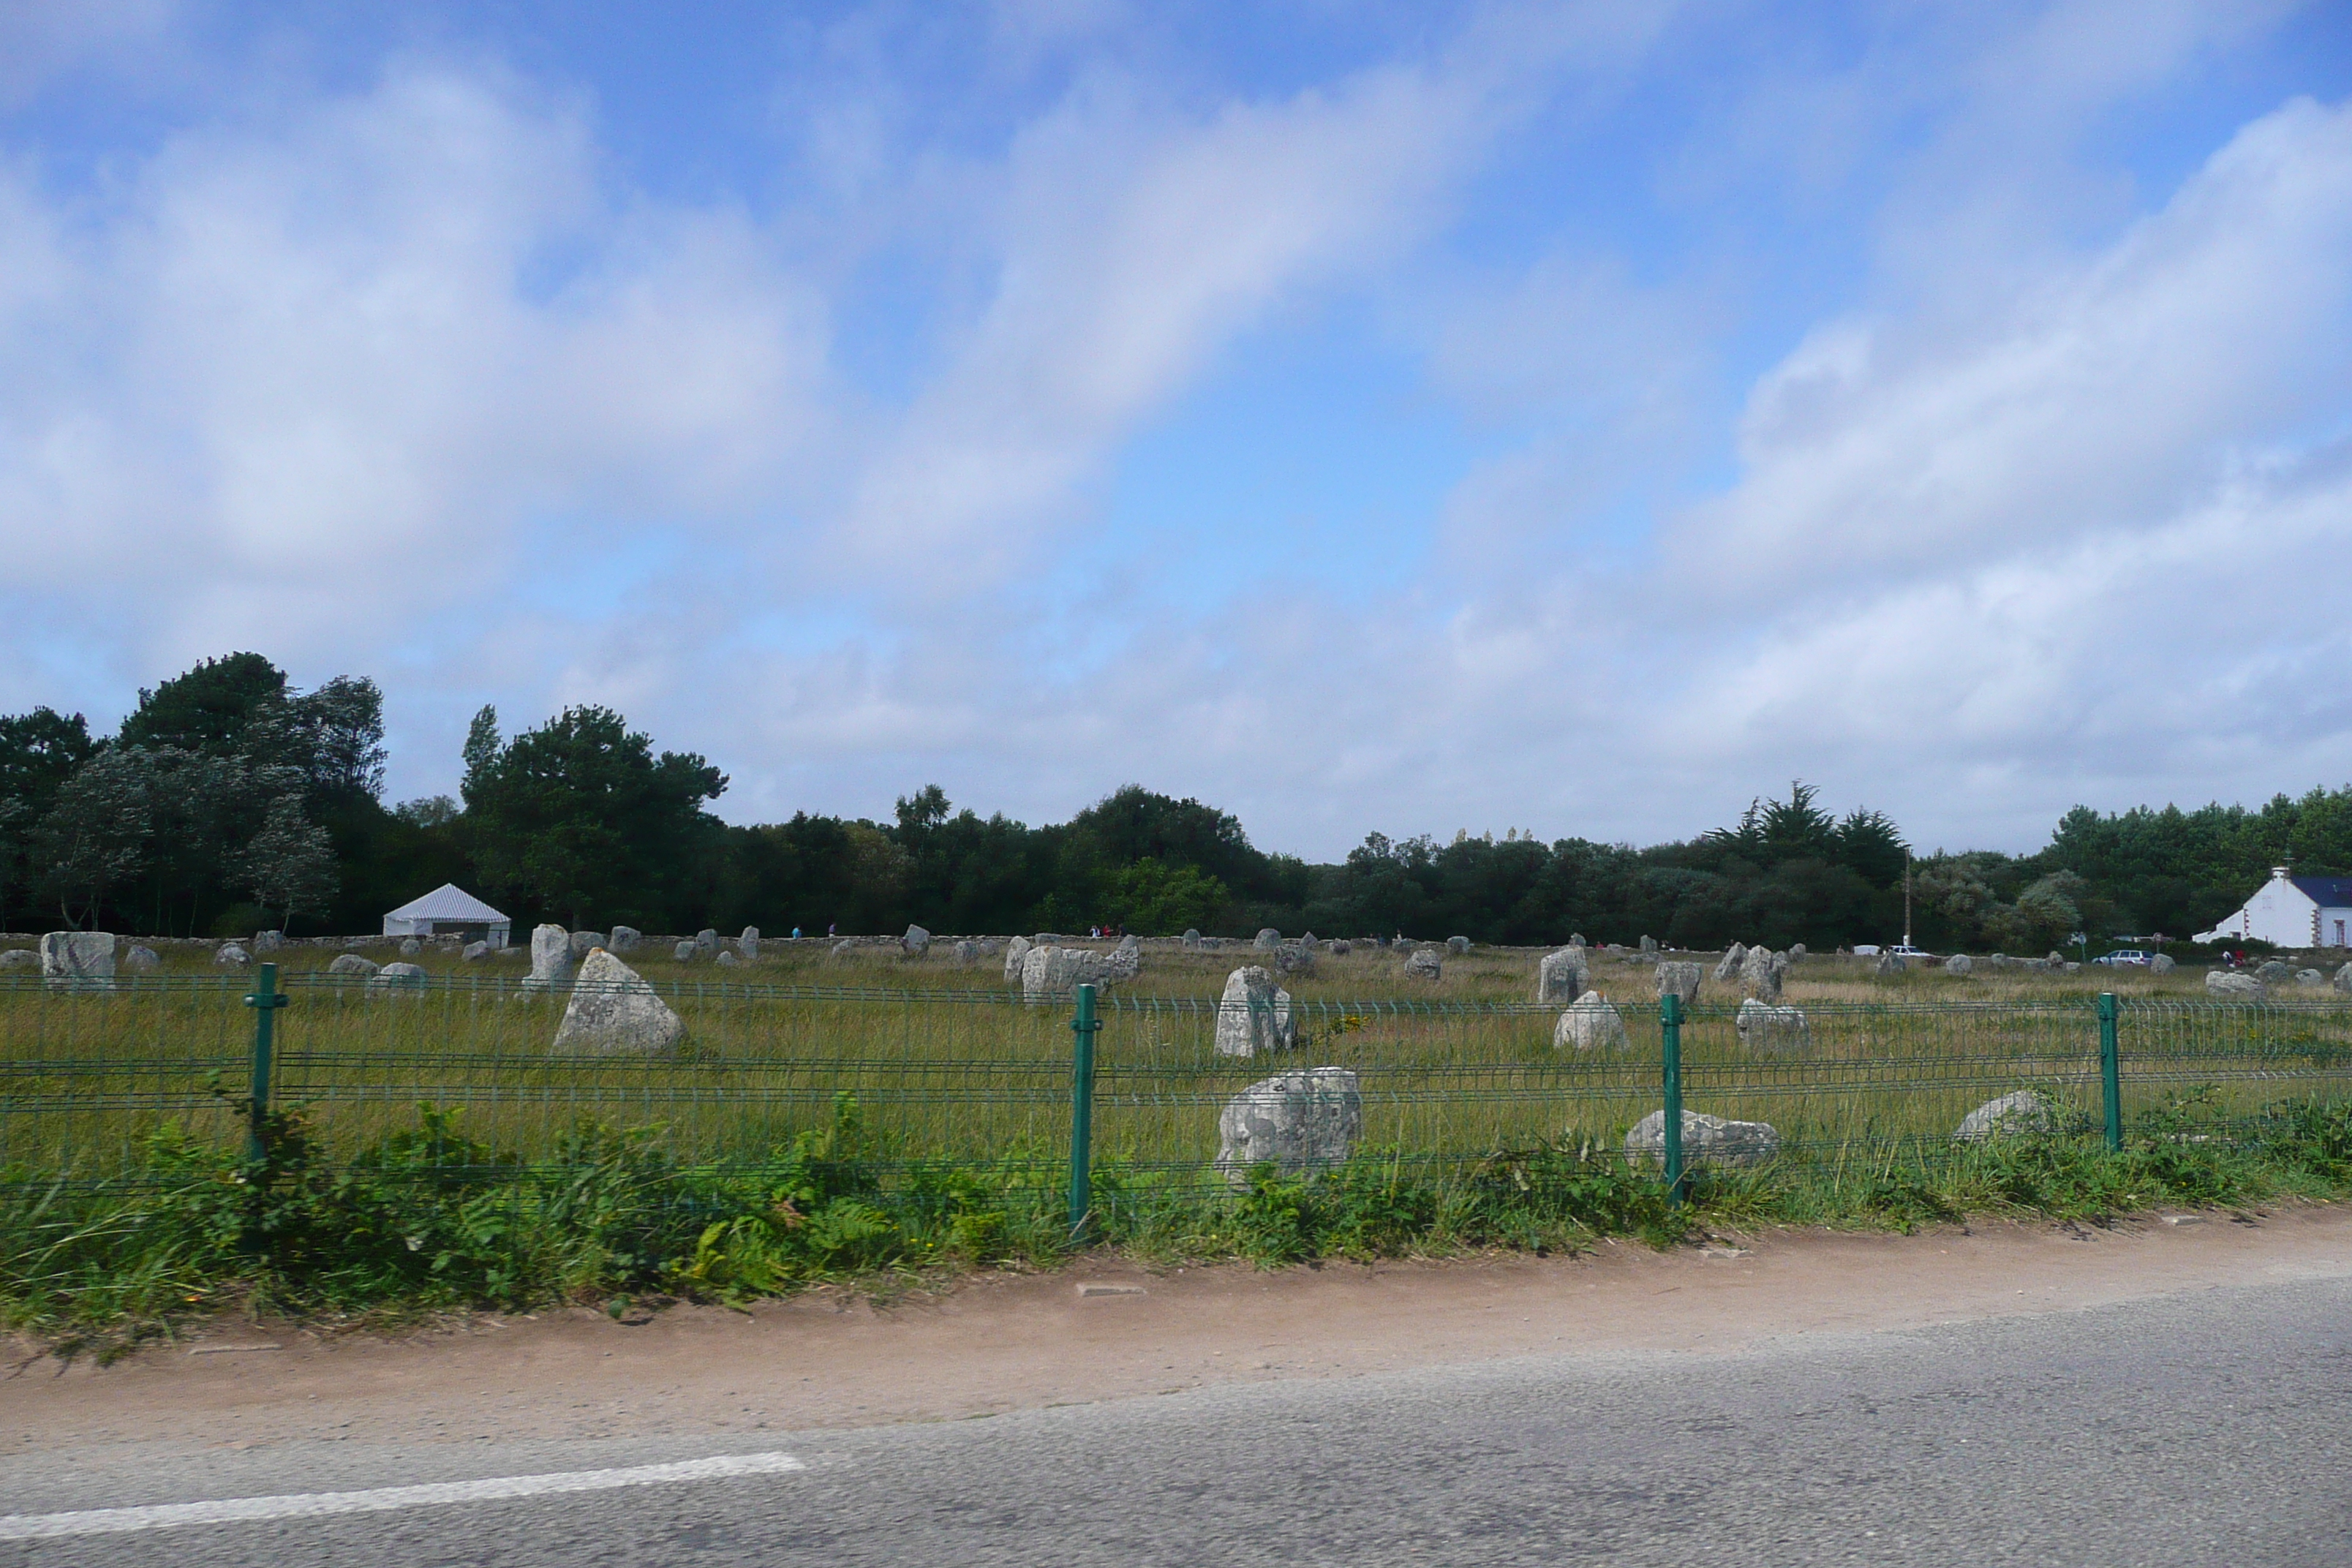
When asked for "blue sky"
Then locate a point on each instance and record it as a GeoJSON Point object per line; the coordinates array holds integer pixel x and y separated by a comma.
{"type": "Point", "coordinates": [1574, 418]}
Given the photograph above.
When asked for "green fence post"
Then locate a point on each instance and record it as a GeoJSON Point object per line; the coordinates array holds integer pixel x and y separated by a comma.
{"type": "Point", "coordinates": [2111, 1071]}
{"type": "Point", "coordinates": [1082, 1112]}
{"type": "Point", "coordinates": [1670, 1032]}
{"type": "Point", "coordinates": [265, 1002]}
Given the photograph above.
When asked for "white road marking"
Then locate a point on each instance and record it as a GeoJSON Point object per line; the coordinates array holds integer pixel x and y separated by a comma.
{"type": "Point", "coordinates": [306, 1505]}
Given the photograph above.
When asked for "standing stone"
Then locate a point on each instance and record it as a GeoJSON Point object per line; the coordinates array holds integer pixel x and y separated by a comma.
{"type": "Point", "coordinates": [1268, 939]}
{"type": "Point", "coordinates": [1341, 947]}
{"type": "Point", "coordinates": [267, 941]}
{"type": "Point", "coordinates": [916, 942]}
{"type": "Point", "coordinates": [1728, 970]}
{"type": "Point", "coordinates": [707, 940]}
{"type": "Point", "coordinates": [1682, 978]}
{"type": "Point", "coordinates": [1295, 958]}
{"type": "Point", "coordinates": [352, 964]}
{"type": "Point", "coordinates": [624, 939]}
{"type": "Point", "coordinates": [1772, 1031]}
{"type": "Point", "coordinates": [1589, 1024]}
{"type": "Point", "coordinates": [725, 959]}
{"type": "Point", "coordinates": [841, 949]}
{"type": "Point", "coordinates": [1649, 946]}
{"type": "Point", "coordinates": [411, 948]}
{"type": "Point", "coordinates": [1560, 976]}
{"type": "Point", "coordinates": [1707, 1140]}
{"type": "Point", "coordinates": [748, 944]}
{"type": "Point", "coordinates": [552, 959]}
{"type": "Point", "coordinates": [1308, 940]}
{"type": "Point", "coordinates": [2161, 963]}
{"type": "Point", "coordinates": [20, 958]}
{"type": "Point", "coordinates": [1016, 952]}
{"type": "Point", "coordinates": [234, 956]}
{"type": "Point", "coordinates": [2057, 960]}
{"type": "Point", "coordinates": [612, 1012]}
{"type": "Point", "coordinates": [1959, 966]}
{"type": "Point", "coordinates": [1191, 938]}
{"type": "Point", "coordinates": [1047, 972]}
{"type": "Point", "coordinates": [1762, 973]}
{"type": "Point", "coordinates": [1457, 945]}
{"type": "Point", "coordinates": [1253, 1014]}
{"type": "Point", "coordinates": [1576, 939]}
{"type": "Point", "coordinates": [1297, 1121]}
{"type": "Point", "coordinates": [686, 951]}
{"type": "Point", "coordinates": [2342, 981]}
{"type": "Point", "coordinates": [2310, 977]}
{"type": "Point", "coordinates": [2232, 985]}
{"type": "Point", "coordinates": [1796, 950]}
{"type": "Point", "coordinates": [1890, 964]}
{"type": "Point", "coordinates": [143, 960]}
{"type": "Point", "coordinates": [1424, 965]}
{"type": "Point", "coordinates": [2007, 1117]}
{"type": "Point", "coordinates": [2272, 972]}
{"type": "Point", "coordinates": [79, 960]}
{"type": "Point", "coordinates": [477, 952]}
{"type": "Point", "coordinates": [398, 977]}
{"type": "Point", "coordinates": [584, 942]}
{"type": "Point", "coordinates": [966, 951]}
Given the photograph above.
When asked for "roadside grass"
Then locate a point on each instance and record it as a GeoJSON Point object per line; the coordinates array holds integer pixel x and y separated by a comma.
{"type": "Point", "coordinates": [429, 1220]}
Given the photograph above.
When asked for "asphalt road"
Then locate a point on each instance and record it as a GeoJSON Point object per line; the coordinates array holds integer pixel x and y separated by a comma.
{"type": "Point", "coordinates": [2213, 1428]}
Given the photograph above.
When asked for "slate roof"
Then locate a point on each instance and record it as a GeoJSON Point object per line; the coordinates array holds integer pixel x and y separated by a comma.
{"type": "Point", "coordinates": [2327, 892]}
{"type": "Point", "coordinates": [446, 902]}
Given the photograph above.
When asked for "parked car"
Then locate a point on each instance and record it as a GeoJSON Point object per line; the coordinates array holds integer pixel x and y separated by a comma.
{"type": "Point", "coordinates": [1904, 949]}
{"type": "Point", "coordinates": [2132, 956]}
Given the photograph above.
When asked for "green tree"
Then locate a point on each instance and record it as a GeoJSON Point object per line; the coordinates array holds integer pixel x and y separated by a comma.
{"type": "Point", "coordinates": [38, 751]}
{"type": "Point", "coordinates": [582, 816]}
{"type": "Point", "coordinates": [289, 865]}
{"type": "Point", "coordinates": [208, 708]}
{"type": "Point", "coordinates": [1155, 899]}
{"type": "Point", "coordinates": [94, 837]}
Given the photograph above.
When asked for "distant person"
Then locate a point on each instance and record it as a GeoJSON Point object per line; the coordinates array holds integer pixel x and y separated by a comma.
{"type": "Point", "coordinates": [796, 933]}
{"type": "Point", "coordinates": [831, 931]}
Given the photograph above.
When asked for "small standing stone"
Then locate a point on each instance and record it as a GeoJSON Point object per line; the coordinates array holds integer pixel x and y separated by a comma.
{"type": "Point", "coordinates": [916, 942]}
{"type": "Point", "coordinates": [141, 960]}
{"type": "Point", "coordinates": [1890, 964]}
{"type": "Point", "coordinates": [1457, 945]}
{"type": "Point", "coordinates": [1959, 966]}
{"type": "Point", "coordinates": [20, 958]}
{"type": "Point", "coordinates": [841, 949]}
{"type": "Point", "coordinates": [748, 944]}
{"type": "Point", "coordinates": [352, 964]}
{"type": "Point", "coordinates": [477, 952]}
{"type": "Point", "coordinates": [624, 939]}
{"type": "Point", "coordinates": [267, 941]}
{"type": "Point", "coordinates": [1050, 972]}
{"type": "Point", "coordinates": [1016, 954]}
{"type": "Point", "coordinates": [2342, 981]}
{"type": "Point", "coordinates": [1772, 1031]}
{"type": "Point", "coordinates": [1295, 958]}
{"type": "Point", "coordinates": [411, 948]}
{"type": "Point", "coordinates": [2161, 963]}
{"type": "Point", "coordinates": [1591, 1024]}
{"type": "Point", "coordinates": [2010, 1115]}
{"type": "Point", "coordinates": [1267, 939]}
{"type": "Point", "coordinates": [1297, 1121]}
{"type": "Point", "coordinates": [1649, 946]}
{"type": "Point", "coordinates": [1191, 939]}
{"type": "Point", "coordinates": [1424, 965]}
{"type": "Point", "coordinates": [2232, 985]}
{"type": "Point", "coordinates": [1707, 1140]}
{"type": "Point", "coordinates": [707, 940]}
{"type": "Point", "coordinates": [1341, 947]}
{"type": "Point", "coordinates": [584, 942]}
{"type": "Point", "coordinates": [398, 977]}
{"type": "Point", "coordinates": [725, 959]}
{"type": "Point", "coordinates": [686, 951]}
{"type": "Point", "coordinates": [232, 955]}
{"type": "Point", "coordinates": [1680, 977]}
{"type": "Point", "coordinates": [966, 951]}
{"type": "Point", "coordinates": [1733, 957]}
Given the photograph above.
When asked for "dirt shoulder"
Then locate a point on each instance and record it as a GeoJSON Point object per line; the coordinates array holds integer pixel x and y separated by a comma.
{"type": "Point", "coordinates": [1107, 1328]}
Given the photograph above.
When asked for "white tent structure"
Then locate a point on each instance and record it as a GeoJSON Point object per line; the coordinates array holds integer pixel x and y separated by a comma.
{"type": "Point", "coordinates": [449, 911]}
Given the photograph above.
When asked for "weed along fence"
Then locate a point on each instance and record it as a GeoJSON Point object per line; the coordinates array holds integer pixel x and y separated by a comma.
{"type": "Point", "coordinates": [1113, 1098]}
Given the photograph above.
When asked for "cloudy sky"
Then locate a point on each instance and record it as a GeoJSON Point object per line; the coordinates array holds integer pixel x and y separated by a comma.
{"type": "Point", "coordinates": [1413, 416]}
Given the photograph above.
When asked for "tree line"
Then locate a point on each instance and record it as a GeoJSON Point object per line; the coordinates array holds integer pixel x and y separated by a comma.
{"type": "Point", "coordinates": [228, 801]}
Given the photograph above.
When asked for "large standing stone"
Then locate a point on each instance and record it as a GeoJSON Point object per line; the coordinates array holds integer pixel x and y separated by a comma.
{"type": "Point", "coordinates": [1681, 977]}
{"type": "Point", "coordinates": [398, 977]}
{"type": "Point", "coordinates": [1298, 1121]}
{"type": "Point", "coordinates": [1707, 1140]}
{"type": "Point", "coordinates": [624, 939]}
{"type": "Point", "coordinates": [233, 956]}
{"type": "Point", "coordinates": [1772, 1031]}
{"type": "Point", "coordinates": [1762, 973]}
{"type": "Point", "coordinates": [1253, 1014]}
{"type": "Point", "coordinates": [552, 959]}
{"type": "Point", "coordinates": [1589, 1024]}
{"type": "Point", "coordinates": [1457, 945]}
{"type": "Point", "coordinates": [352, 964]}
{"type": "Point", "coordinates": [1728, 970]}
{"type": "Point", "coordinates": [1016, 952]}
{"type": "Point", "coordinates": [2232, 985]}
{"type": "Point", "coordinates": [1050, 972]}
{"type": "Point", "coordinates": [2010, 1116]}
{"type": "Point", "coordinates": [916, 942]}
{"type": "Point", "coordinates": [1295, 958]}
{"type": "Point", "coordinates": [748, 944]}
{"type": "Point", "coordinates": [612, 1012]}
{"type": "Point", "coordinates": [2161, 963]}
{"type": "Point", "coordinates": [142, 959]}
{"type": "Point", "coordinates": [1560, 976]}
{"type": "Point", "coordinates": [2342, 981]}
{"type": "Point", "coordinates": [1424, 965]}
{"type": "Point", "coordinates": [79, 960]}
{"type": "Point", "coordinates": [1959, 966]}
{"type": "Point", "coordinates": [1268, 939]}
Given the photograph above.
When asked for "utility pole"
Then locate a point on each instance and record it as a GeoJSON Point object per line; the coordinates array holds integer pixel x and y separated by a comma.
{"type": "Point", "coordinates": [1906, 898]}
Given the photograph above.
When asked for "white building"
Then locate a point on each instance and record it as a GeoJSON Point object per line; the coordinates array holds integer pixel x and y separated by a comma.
{"type": "Point", "coordinates": [449, 911]}
{"type": "Point", "coordinates": [2293, 911]}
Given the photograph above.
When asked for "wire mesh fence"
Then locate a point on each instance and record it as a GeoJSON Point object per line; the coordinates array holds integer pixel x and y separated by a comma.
{"type": "Point", "coordinates": [88, 1080]}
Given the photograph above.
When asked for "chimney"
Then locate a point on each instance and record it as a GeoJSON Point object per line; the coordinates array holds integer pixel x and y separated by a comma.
{"type": "Point", "coordinates": [2278, 873]}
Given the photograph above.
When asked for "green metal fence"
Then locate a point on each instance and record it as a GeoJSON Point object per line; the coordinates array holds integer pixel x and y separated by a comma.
{"type": "Point", "coordinates": [1129, 1090]}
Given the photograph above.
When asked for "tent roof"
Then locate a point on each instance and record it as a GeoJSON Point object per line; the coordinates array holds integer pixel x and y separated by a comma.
{"type": "Point", "coordinates": [446, 902]}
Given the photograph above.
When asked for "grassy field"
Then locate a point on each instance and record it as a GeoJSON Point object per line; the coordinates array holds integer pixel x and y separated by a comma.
{"type": "Point", "coordinates": [946, 1062]}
